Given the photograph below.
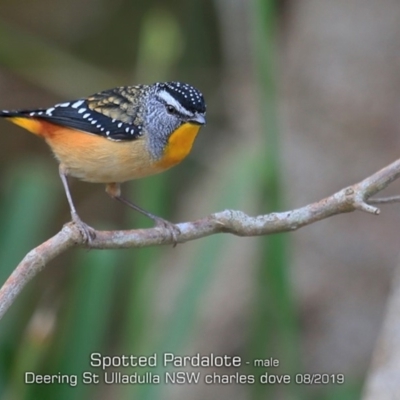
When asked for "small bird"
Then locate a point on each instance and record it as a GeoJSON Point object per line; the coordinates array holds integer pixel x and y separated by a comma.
{"type": "Point", "coordinates": [117, 135]}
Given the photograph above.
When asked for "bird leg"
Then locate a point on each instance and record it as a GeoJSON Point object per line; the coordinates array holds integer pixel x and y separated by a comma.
{"type": "Point", "coordinates": [114, 191]}
{"type": "Point", "coordinates": [86, 231]}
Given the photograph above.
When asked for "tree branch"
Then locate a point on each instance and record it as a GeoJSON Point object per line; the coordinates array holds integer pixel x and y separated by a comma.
{"type": "Point", "coordinates": [349, 199]}
{"type": "Point", "coordinates": [385, 200]}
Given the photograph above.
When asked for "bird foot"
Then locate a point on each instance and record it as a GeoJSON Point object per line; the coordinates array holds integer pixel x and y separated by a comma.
{"type": "Point", "coordinates": [173, 230]}
{"type": "Point", "coordinates": [87, 232]}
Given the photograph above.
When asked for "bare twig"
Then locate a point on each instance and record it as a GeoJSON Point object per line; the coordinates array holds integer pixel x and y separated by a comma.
{"type": "Point", "coordinates": [385, 200]}
{"type": "Point", "coordinates": [349, 199]}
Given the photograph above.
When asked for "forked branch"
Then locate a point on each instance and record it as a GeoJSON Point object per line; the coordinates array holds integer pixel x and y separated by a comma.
{"type": "Point", "coordinates": [355, 197]}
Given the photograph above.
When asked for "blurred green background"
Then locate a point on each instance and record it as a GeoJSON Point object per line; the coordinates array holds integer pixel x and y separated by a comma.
{"type": "Point", "coordinates": [302, 99]}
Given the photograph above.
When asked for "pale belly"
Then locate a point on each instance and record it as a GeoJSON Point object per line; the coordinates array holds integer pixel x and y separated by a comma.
{"type": "Point", "coordinates": [93, 158]}
{"type": "Point", "coordinates": [97, 159]}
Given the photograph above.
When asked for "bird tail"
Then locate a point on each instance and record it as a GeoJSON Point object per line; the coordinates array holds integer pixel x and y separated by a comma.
{"type": "Point", "coordinates": [24, 119]}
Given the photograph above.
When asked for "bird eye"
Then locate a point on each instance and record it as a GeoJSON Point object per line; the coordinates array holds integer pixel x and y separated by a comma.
{"type": "Point", "coordinates": [170, 109]}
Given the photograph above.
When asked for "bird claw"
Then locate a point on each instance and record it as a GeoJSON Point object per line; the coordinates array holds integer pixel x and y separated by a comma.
{"type": "Point", "coordinates": [87, 232]}
{"type": "Point", "coordinates": [173, 230]}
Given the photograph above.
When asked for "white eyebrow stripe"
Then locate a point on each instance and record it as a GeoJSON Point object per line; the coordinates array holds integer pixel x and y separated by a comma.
{"type": "Point", "coordinates": [174, 103]}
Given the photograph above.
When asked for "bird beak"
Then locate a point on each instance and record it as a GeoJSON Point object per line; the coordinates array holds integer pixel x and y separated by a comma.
{"type": "Point", "coordinates": [198, 119]}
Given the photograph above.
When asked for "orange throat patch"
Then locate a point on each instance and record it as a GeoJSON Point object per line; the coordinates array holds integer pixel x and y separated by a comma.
{"type": "Point", "coordinates": [179, 145]}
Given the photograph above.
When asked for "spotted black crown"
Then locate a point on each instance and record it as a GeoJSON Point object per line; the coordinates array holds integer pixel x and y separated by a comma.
{"type": "Point", "coordinates": [187, 95]}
